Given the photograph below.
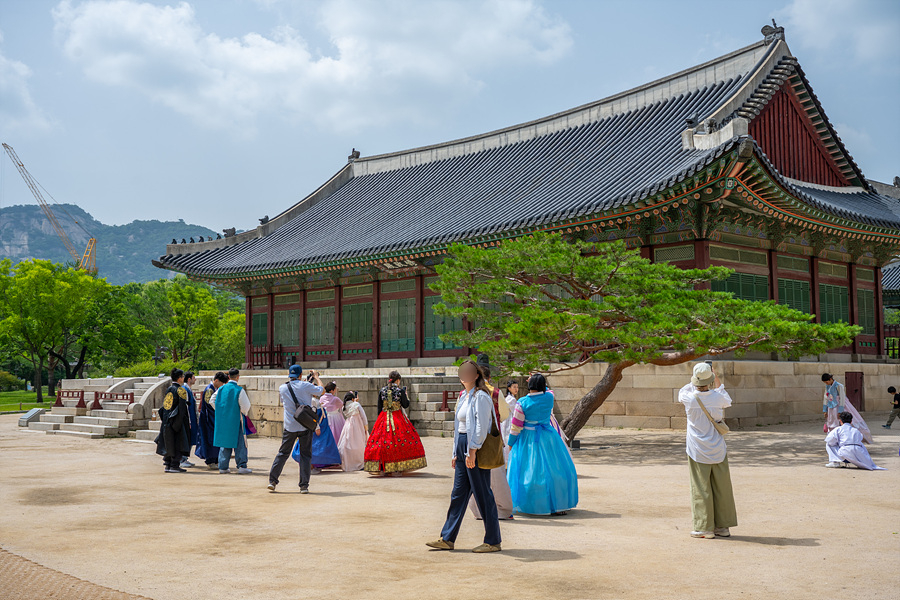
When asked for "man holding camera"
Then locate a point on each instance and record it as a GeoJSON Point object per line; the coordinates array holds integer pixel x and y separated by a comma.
{"type": "Point", "coordinates": [294, 394]}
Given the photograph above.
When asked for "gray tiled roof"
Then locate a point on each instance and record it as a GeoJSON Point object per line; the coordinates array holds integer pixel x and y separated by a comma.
{"type": "Point", "coordinates": [564, 174]}
{"type": "Point", "coordinates": [597, 157]}
{"type": "Point", "coordinates": [890, 278]}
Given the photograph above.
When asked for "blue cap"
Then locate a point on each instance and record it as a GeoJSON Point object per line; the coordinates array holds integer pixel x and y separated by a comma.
{"type": "Point", "coordinates": [295, 371]}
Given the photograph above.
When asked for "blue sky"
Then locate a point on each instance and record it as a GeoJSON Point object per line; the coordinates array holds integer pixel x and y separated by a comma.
{"type": "Point", "coordinates": [220, 112]}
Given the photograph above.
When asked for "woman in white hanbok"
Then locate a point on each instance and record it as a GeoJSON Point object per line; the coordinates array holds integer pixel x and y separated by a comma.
{"type": "Point", "coordinates": [845, 445]}
{"type": "Point", "coordinates": [354, 434]}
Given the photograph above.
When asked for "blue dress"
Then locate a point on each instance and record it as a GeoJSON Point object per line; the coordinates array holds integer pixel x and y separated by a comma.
{"type": "Point", "coordinates": [325, 451]}
{"type": "Point", "coordinates": [206, 450]}
{"type": "Point", "coordinates": [541, 473]}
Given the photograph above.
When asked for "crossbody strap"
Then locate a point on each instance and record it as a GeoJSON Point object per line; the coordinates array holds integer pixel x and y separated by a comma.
{"type": "Point", "coordinates": [705, 412]}
{"type": "Point", "coordinates": [293, 395]}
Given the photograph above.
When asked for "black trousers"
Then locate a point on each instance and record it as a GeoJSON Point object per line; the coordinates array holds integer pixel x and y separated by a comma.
{"type": "Point", "coordinates": [288, 439]}
{"type": "Point", "coordinates": [471, 482]}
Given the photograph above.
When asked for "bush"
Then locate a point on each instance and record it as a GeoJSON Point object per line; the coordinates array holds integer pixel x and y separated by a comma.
{"type": "Point", "coordinates": [10, 383]}
{"type": "Point", "coordinates": [147, 368]}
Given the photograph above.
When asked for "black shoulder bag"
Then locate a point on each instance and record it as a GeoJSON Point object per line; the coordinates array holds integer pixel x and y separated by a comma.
{"type": "Point", "coordinates": [305, 415]}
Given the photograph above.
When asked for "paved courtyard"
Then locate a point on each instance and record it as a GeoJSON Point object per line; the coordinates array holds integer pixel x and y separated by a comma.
{"type": "Point", "coordinates": [102, 512]}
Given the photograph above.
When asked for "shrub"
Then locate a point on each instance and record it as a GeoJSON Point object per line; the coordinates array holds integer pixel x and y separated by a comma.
{"type": "Point", "coordinates": [10, 383]}
{"type": "Point", "coordinates": [147, 368]}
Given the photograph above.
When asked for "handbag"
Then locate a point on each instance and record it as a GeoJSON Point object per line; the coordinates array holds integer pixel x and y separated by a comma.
{"type": "Point", "coordinates": [720, 426]}
{"type": "Point", "coordinates": [490, 455]}
{"type": "Point", "coordinates": [305, 415]}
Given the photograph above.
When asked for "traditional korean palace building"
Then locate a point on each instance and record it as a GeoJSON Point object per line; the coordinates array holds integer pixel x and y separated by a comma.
{"type": "Point", "coordinates": [732, 163]}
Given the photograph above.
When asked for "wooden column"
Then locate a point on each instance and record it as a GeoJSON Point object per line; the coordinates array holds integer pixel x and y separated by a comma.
{"type": "Point", "coordinates": [814, 287]}
{"type": "Point", "coordinates": [270, 329]}
{"type": "Point", "coordinates": [338, 313]}
{"type": "Point", "coordinates": [302, 323]}
{"type": "Point", "coordinates": [879, 314]}
{"type": "Point", "coordinates": [773, 275]}
{"type": "Point", "coordinates": [701, 260]}
{"type": "Point", "coordinates": [853, 304]}
{"type": "Point", "coordinates": [647, 252]}
{"type": "Point", "coordinates": [376, 319]}
{"type": "Point", "coordinates": [248, 321]}
{"type": "Point", "coordinates": [420, 315]}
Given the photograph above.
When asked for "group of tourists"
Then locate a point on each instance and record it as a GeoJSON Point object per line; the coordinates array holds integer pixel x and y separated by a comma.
{"type": "Point", "coordinates": [509, 454]}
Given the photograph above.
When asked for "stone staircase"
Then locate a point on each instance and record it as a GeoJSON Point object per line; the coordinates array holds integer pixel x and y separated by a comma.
{"type": "Point", "coordinates": [113, 420]}
{"type": "Point", "coordinates": [426, 399]}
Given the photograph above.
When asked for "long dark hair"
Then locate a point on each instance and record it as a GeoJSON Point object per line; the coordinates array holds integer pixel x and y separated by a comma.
{"type": "Point", "coordinates": [509, 384]}
{"type": "Point", "coordinates": [350, 397]}
{"type": "Point", "coordinates": [479, 380]}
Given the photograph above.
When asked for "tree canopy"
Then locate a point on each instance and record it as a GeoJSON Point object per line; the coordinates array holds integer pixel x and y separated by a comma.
{"type": "Point", "coordinates": [544, 303]}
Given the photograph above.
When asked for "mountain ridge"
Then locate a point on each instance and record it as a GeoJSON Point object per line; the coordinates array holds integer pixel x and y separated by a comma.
{"type": "Point", "coordinates": [123, 252]}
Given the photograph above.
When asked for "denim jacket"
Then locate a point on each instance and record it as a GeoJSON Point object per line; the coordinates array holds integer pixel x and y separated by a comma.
{"type": "Point", "coordinates": [479, 417]}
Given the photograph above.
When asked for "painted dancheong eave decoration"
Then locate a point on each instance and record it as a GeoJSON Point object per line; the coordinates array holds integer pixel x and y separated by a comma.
{"type": "Point", "coordinates": [736, 153]}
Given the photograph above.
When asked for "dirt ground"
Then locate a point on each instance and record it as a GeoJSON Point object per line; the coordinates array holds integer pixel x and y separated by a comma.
{"type": "Point", "coordinates": [104, 512]}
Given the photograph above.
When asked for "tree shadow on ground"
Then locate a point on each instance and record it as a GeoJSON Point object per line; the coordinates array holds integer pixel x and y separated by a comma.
{"type": "Point", "coordinates": [775, 541]}
{"type": "Point", "coordinates": [801, 445]}
{"type": "Point", "coordinates": [529, 555]}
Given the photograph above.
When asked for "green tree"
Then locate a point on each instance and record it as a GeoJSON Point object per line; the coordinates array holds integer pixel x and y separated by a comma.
{"type": "Point", "coordinates": [226, 348]}
{"type": "Point", "coordinates": [40, 302]}
{"type": "Point", "coordinates": [543, 303]}
{"type": "Point", "coordinates": [194, 318]}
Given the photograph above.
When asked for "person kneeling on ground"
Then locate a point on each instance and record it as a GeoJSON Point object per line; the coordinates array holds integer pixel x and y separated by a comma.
{"type": "Point", "coordinates": [845, 445]}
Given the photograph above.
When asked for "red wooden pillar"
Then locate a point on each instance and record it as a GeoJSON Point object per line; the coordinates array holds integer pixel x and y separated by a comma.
{"type": "Point", "coordinates": [773, 275]}
{"type": "Point", "coordinates": [647, 252]}
{"type": "Point", "coordinates": [270, 330]}
{"type": "Point", "coordinates": [248, 321]}
{"type": "Point", "coordinates": [338, 314]}
{"type": "Point", "coordinates": [854, 305]}
{"type": "Point", "coordinates": [879, 314]}
{"type": "Point", "coordinates": [420, 315]}
{"type": "Point", "coordinates": [701, 260]}
{"type": "Point", "coordinates": [376, 319]}
{"type": "Point", "coordinates": [301, 341]}
{"type": "Point", "coordinates": [814, 287]}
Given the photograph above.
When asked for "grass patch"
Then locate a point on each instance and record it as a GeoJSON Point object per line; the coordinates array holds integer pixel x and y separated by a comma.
{"type": "Point", "coordinates": [11, 400]}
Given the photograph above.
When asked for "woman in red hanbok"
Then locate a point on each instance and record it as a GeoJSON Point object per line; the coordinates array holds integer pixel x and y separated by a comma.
{"type": "Point", "coordinates": [394, 445]}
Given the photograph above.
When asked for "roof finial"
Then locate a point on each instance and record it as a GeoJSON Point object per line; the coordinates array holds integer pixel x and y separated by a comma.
{"type": "Point", "coordinates": [354, 154]}
{"type": "Point", "coordinates": [772, 32]}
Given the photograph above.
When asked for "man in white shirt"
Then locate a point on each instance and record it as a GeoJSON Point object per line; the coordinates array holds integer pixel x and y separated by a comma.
{"type": "Point", "coordinates": [712, 499]}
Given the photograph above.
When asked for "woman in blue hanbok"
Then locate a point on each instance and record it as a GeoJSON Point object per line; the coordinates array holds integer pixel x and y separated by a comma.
{"type": "Point", "coordinates": [541, 473]}
{"type": "Point", "coordinates": [325, 451]}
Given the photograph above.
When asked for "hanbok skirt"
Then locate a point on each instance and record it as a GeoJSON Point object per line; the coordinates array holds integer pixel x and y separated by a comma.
{"type": "Point", "coordinates": [394, 445]}
{"type": "Point", "coordinates": [325, 452]}
{"type": "Point", "coordinates": [205, 449]}
{"type": "Point", "coordinates": [337, 422]}
{"type": "Point", "coordinates": [541, 474]}
{"type": "Point", "coordinates": [352, 444]}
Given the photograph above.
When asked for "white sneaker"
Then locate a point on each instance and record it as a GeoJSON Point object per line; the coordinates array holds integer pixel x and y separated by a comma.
{"type": "Point", "coordinates": [707, 535]}
{"type": "Point", "coordinates": [271, 487]}
{"type": "Point", "coordinates": [224, 471]}
{"type": "Point", "coordinates": [722, 532]}
{"type": "Point", "coordinates": [834, 465]}
{"type": "Point", "coordinates": [186, 464]}
{"type": "Point", "coordinates": [244, 471]}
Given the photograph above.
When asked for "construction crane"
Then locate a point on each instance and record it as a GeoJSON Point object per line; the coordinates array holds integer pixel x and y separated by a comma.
{"type": "Point", "coordinates": [85, 261]}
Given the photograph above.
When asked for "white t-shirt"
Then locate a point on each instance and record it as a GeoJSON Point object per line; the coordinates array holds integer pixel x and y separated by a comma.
{"type": "Point", "coordinates": [462, 407]}
{"type": "Point", "coordinates": [704, 444]}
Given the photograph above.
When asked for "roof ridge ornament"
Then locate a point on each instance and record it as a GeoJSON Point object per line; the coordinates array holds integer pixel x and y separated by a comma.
{"type": "Point", "coordinates": [772, 32]}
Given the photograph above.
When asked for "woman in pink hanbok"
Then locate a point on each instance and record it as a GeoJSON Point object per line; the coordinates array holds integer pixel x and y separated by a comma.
{"type": "Point", "coordinates": [335, 409]}
{"type": "Point", "coordinates": [352, 444]}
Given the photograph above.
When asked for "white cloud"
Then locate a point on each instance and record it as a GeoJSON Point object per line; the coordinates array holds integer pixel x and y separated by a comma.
{"type": "Point", "coordinates": [388, 61]}
{"type": "Point", "coordinates": [862, 30]}
{"type": "Point", "coordinates": [18, 111]}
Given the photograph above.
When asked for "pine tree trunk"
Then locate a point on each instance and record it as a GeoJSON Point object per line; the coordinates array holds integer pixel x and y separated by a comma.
{"type": "Point", "coordinates": [38, 379]}
{"type": "Point", "coordinates": [594, 399]}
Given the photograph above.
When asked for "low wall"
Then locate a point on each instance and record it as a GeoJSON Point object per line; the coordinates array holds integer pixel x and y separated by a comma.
{"type": "Point", "coordinates": [764, 392]}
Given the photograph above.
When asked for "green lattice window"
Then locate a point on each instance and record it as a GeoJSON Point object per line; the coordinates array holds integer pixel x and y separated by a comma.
{"type": "Point", "coordinates": [437, 325]}
{"type": "Point", "coordinates": [398, 325]}
{"type": "Point", "coordinates": [865, 300]}
{"type": "Point", "coordinates": [287, 328]}
{"type": "Point", "coordinates": [259, 329]}
{"type": "Point", "coordinates": [795, 294]}
{"type": "Point", "coordinates": [834, 304]}
{"type": "Point", "coordinates": [356, 323]}
{"type": "Point", "coordinates": [744, 286]}
{"type": "Point", "coordinates": [320, 326]}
